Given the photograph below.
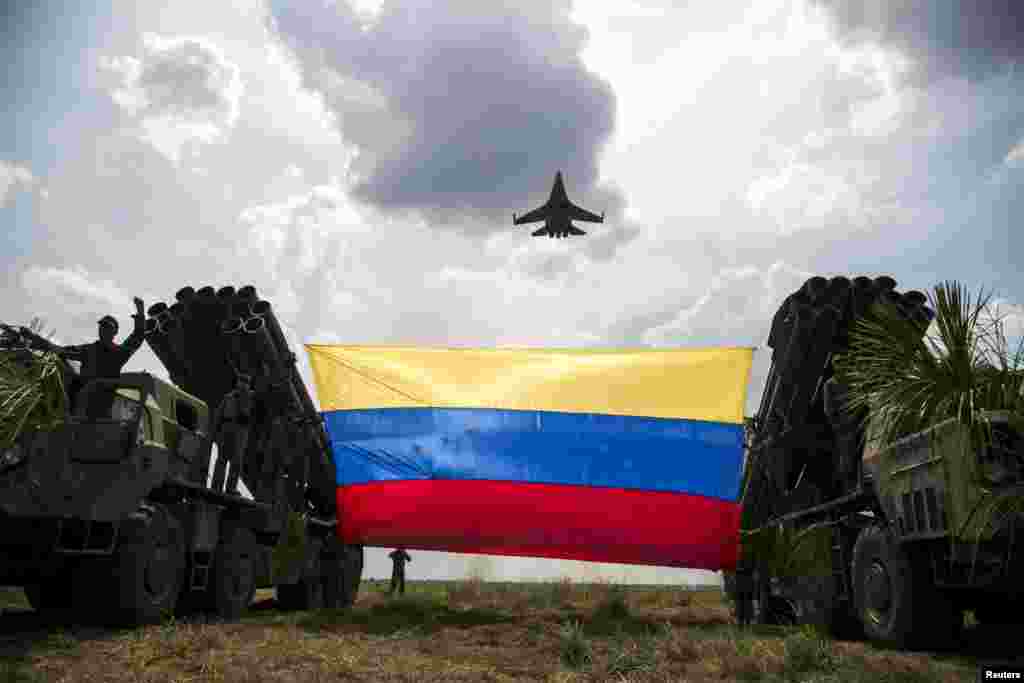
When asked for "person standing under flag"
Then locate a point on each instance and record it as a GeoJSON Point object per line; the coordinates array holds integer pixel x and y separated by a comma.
{"type": "Point", "coordinates": [399, 557]}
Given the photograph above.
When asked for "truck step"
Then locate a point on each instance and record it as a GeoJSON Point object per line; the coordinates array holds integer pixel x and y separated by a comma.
{"type": "Point", "coordinates": [839, 569]}
{"type": "Point", "coordinates": [199, 577]}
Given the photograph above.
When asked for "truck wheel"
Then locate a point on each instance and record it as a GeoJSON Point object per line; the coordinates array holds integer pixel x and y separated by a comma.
{"type": "Point", "coordinates": [836, 620]}
{"type": "Point", "coordinates": [306, 593]}
{"type": "Point", "coordinates": [149, 567]}
{"type": "Point", "coordinates": [821, 609]}
{"type": "Point", "coordinates": [233, 580]}
{"type": "Point", "coordinates": [355, 576]}
{"type": "Point", "coordinates": [775, 610]}
{"type": "Point", "coordinates": [343, 569]}
{"type": "Point", "coordinates": [895, 598]}
{"type": "Point", "coordinates": [770, 608]}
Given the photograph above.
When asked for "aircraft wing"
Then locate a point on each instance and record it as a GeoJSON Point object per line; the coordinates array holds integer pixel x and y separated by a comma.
{"type": "Point", "coordinates": [579, 214]}
{"type": "Point", "coordinates": [538, 214]}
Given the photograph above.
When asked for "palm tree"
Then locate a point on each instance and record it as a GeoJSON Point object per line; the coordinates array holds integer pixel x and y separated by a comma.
{"type": "Point", "coordinates": [32, 386]}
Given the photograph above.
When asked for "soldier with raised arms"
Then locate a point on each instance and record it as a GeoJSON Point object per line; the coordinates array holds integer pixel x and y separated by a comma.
{"type": "Point", "coordinates": [104, 359]}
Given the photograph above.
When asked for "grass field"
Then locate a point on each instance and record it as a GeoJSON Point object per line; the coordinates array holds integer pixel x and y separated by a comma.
{"type": "Point", "coordinates": [472, 631]}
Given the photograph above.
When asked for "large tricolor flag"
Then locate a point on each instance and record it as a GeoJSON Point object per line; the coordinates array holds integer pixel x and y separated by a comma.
{"type": "Point", "coordinates": [602, 455]}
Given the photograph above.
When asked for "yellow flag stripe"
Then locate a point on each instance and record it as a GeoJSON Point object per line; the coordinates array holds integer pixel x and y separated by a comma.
{"type": "Point", "coordinates": [697, 384]}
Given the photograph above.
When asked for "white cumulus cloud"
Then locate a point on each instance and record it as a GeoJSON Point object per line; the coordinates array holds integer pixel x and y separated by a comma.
{"type": "Point", "coordinates": [1012, 317]}
{"type": "Point", "coordinates": [1016, 154]}
{"type": "Point", "coordinates": [801, 196]}
{"type": "Point", "coordinates": [294, 235]}
{"type": "Point", "coordinates": [13, 177]}
{"type": "Point", "coordinates": [182, 92]}
{"type": "Point", "coordinates": [735, 309]}
{"type": "Point", "coordinates": [75, 286]}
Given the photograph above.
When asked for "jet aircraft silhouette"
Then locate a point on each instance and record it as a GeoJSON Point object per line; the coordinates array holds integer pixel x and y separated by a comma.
{"type": "Point", "coordinates": [558, 213]}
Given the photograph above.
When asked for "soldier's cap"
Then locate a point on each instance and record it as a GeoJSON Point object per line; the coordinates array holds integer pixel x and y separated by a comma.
{"type": "Point", "coordinates": [109, 320]}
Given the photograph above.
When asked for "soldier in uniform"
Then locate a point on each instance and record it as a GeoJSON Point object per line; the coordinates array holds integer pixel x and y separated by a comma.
{"type": "Point", "coordinates": [103, 359]}
{"type": "Point", "coordinates": [399, 557]}
{"type": "Point", "coordinates": [232, 433]}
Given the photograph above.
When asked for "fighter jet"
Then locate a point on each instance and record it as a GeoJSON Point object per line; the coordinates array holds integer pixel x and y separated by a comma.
{"type": "Point", "coordinates": [558, 213]}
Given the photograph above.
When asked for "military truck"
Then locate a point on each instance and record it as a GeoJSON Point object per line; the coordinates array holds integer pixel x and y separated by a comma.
{"type": "Point", "coordinates": [123, 511]}
{"type": "Point", "coordinates": [862, 538]}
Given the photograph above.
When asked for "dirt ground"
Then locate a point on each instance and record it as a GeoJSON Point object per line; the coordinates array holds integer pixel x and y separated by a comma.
{"type": "Point", "coordinates": [473, 631]}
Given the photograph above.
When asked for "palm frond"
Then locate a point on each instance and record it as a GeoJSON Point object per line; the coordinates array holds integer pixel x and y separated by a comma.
{"type": "Point", "coordinates": [906, 379]}
{"type": "Point", "coordinates": [32, 393]}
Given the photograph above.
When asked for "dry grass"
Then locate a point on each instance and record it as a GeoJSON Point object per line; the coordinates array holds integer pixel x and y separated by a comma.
{"type": "Point", "coordinates": [461, 631]}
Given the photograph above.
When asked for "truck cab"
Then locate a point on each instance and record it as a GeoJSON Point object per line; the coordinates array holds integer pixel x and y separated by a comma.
{"type": "Point", "coordinates": [75, 481]}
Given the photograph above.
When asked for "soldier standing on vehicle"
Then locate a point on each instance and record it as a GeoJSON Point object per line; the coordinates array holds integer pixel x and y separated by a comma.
{"type": "Point", "coordinates": [399, 557]}
{"type": "Point", "coordinates": [103, 359]}
{"type": "Point", "coordinates": [232, 434]}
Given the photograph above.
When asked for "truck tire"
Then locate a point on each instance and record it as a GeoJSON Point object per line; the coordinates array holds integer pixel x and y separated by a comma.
{"type": "Point", "coordinates": [776, 610]}
{"type": "Point", "coordinates": [837, 620]}
{"type": "Point", "coordinates": [343, 569]}
{"type": "Point", "coordinates": [306, 593]}
{"type": "Point", "coordinates": [770, 606]}
{"type": "Point", "coordinates": [355, 555]}
{"type": "Point", "coordinates": [819, 606]}
{"type": "Point", "coordinates": [233, 579]}
{"type": "Point", "coordinates": [149, 567]}
{"type": "Point", "coordinates": [895, 597]}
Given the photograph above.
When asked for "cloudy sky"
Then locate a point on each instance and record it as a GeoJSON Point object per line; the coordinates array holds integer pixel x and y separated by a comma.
{"type": "Point", "coordinates": [359, 162]}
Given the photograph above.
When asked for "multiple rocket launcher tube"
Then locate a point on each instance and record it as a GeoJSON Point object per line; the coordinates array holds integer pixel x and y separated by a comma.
{"type": "Point", "coordinates": [205, 334]}
{"type": "Point", "coordinates": [208, 338]}
{"type": "Point", "coordinates": [810, 328]}
{"type": "Point", "coordinates": [812, 325]}
{"type": "Point", "coordinates": [205, 313]}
